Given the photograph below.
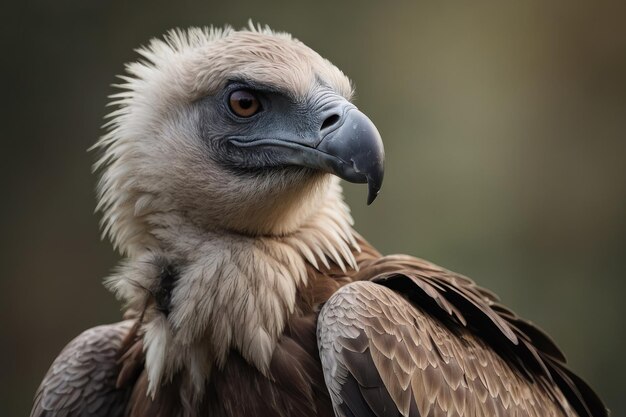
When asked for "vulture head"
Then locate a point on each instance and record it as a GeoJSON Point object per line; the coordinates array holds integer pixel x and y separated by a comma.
{"type": "Point", "coordinates": [237, 131]}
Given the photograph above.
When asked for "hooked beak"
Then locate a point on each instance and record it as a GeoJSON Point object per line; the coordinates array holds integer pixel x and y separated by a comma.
{"type": "Point", "coordinates": [350, 148]}
{"type": "Point", "coordinates": [355, 152]}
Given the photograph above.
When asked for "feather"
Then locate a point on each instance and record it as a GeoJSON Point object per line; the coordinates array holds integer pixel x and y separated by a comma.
{"type": "Point", "coordinates": [82, 380]}
{"type": "Point", "coordinates": [477, 355]}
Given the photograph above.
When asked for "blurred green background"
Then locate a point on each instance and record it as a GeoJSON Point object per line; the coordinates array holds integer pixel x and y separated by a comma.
{"type": "Point", "coordinates": [505, 130]}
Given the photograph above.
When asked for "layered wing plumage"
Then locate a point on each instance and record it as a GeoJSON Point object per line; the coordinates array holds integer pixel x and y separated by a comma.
{"type": "Point", "coordinates": [406, 338]}
{"type": "Point", "coordinates": [82, 380]}
{"type": "Point", "coordinates": [413, 339]}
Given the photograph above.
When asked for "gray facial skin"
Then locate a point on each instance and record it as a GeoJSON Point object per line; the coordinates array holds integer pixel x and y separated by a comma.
{"type": "Point", "coordinates": [325, 133]}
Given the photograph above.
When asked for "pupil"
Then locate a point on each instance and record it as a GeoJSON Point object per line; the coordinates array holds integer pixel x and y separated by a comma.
{"type": "Point", "coordinates": [245, 103]}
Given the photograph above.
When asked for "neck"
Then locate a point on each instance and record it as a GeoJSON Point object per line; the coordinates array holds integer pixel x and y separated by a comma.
{"type": "Point", "coordinates": [229, 291]}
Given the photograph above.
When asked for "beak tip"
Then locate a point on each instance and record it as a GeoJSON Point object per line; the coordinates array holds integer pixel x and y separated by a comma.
{"type": "Point", "coordinates": [372, 192]}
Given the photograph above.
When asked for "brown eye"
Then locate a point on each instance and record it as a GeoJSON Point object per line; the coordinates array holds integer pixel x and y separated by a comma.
{"type": "Point", "coordinates": [244, 103]}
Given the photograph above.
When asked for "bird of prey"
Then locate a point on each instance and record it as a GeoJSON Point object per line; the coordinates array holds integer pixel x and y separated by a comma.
{"type": "Point", "coordinates": [247, 292]}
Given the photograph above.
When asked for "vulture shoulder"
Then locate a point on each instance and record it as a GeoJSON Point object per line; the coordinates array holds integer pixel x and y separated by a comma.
{"type": "Point", "coordinates": [408, 338]}
{"type": "Point", "coordinates": [84, 379]}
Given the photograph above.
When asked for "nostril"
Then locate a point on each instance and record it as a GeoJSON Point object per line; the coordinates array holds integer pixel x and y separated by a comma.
{"type": "Point", "coordinates": [330, 120]}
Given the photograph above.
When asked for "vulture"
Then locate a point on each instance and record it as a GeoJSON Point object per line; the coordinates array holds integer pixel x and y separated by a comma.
{"type": "Point", "coordinates": [246, 290]}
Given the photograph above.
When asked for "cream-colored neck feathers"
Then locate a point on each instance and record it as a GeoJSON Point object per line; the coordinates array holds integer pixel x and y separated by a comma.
{"type": "Point", "coordinates": [232, 291]}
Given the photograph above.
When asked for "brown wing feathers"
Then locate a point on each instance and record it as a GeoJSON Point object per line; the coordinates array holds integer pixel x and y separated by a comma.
{"type": "Point", "coordinates": [465, 321]}
{"type": "Point", "coordinates": [82, 380]}
{"type": "Point", "coordinates": [427, 369]}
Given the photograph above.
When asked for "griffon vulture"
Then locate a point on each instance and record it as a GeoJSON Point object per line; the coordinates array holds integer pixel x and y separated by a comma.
{"type": "Point", "coordinates": [247, 291]}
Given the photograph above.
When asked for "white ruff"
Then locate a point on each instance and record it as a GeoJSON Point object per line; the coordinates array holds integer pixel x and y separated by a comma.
{"type": "Point", "coordinates": [233, 291]}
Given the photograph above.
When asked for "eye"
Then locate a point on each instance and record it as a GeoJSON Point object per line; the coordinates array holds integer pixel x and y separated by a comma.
{"type": "Point", "coordinates": [244, 103]}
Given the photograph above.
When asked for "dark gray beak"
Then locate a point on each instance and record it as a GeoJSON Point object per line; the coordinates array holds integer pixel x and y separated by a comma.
{"type": "Point", "coordinates": [347, 144]}
{"type": "Point", "coordinates": [354, 151]}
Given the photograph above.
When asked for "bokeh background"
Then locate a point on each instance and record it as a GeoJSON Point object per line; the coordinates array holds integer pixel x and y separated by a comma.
{"type": "Point", "coordinates": [505, 130]}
